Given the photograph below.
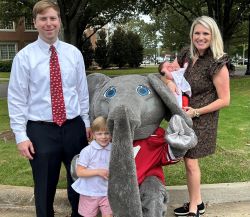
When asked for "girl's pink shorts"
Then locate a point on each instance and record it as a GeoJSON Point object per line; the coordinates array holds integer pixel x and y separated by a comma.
{"type": "Point", "coordinates": [89, 206]}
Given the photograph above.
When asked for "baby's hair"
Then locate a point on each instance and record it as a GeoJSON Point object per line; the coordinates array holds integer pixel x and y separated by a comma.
{"type": "Point", "coordinates": [99, 124]}
{"type": "Point", "coordinates": [160, 68]}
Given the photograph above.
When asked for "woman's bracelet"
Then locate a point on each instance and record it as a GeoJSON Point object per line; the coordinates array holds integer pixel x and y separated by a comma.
{"type": "Point", "coordinates": [196, 113]}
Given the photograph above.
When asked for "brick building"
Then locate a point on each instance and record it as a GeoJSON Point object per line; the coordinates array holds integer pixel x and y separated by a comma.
{"type": "Point", "coordinates": [15, 36]}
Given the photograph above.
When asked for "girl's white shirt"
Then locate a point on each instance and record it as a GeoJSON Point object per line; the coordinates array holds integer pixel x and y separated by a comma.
{"type": "Point", "coordinates": [93, 156]}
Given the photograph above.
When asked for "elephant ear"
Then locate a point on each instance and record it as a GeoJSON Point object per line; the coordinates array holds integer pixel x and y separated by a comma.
{"type": "Point", "coordinates": [168, 98]}
{"type": "Point", "coordinates": [96, 81]}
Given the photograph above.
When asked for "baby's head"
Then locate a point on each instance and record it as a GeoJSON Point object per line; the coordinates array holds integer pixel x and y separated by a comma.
{"type": "Point", "coordinates": [165, 68]}
{"type": "Point", "coordinates": [160, 68]}
{"type": "Point", "coordinates": [100, 131]}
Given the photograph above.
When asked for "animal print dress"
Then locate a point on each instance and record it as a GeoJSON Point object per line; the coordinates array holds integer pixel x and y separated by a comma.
{"type": "Point", "coordinates": [200, 79]}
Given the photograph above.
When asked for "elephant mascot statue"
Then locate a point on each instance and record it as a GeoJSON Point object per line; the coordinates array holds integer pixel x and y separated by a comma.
{"type": "Point", "coordinates": [135, 106]}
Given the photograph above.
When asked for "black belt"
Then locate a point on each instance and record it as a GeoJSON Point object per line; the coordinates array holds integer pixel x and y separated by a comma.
{"type": "Point", "coordinates": [54, 124]}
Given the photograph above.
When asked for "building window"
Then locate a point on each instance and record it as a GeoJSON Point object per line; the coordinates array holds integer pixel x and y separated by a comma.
{"type": "Point", "coordinates": [29, 24]}
{"type": "Point", "coordinates": [7, 51]}
{"type": "Point", "coordinates": [7, 25]}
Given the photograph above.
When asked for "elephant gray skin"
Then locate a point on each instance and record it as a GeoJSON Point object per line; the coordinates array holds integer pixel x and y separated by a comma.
{"type": "Point", "coordinates": [134, 106]}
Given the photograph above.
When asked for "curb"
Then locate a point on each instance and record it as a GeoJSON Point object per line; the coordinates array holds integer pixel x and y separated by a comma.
{"type": "Point", "coordinates": [12, 196]}
{"type": "Point", "coordinates": [21, 196]}
{"type": "Point", "coordinates": [213, 193]}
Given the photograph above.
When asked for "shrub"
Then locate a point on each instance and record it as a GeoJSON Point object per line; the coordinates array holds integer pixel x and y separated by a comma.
{"type": "Point", "coordinates": [101, 50]}
{"type": "Point", "coordinates": [5, 65]}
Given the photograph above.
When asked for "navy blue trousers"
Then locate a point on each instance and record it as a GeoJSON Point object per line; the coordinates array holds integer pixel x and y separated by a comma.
{"type": "Point", "coordinates": [53, 146]}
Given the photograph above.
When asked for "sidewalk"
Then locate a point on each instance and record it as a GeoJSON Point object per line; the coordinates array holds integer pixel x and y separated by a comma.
{"type": "Point", "coordinates": [222, 200]}
{"type": "Point", "coordinates": [239, 209]}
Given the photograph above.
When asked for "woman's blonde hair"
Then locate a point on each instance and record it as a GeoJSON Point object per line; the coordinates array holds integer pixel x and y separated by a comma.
{"type": "Point", "coordinates": [99, 124]}
{"type": "Point", "coordinates": [42, 5]}
{"type": "Point", "coordinates": [216, 45]}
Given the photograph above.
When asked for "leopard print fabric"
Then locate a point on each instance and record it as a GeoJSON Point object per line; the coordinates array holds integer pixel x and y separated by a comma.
{"type": "Point", "coordinates": [200, 79]}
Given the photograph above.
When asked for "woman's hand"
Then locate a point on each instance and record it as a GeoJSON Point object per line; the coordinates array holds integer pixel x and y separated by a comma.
{"type": "Point", "coordinates": [191, 112]}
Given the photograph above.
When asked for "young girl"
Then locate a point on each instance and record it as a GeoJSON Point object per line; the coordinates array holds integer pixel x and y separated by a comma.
{"type": "Point", "coordinates": [92, 170]}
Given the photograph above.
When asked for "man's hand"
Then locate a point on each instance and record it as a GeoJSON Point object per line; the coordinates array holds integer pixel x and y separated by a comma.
{"type": "Point", "coordinates": [26, 149]}
{"type": "Point", "coordinates": [89, 133]}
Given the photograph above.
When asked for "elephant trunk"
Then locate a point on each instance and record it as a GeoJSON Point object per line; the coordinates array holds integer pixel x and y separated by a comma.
{"type": "Point", "coordinates": [123, 189]}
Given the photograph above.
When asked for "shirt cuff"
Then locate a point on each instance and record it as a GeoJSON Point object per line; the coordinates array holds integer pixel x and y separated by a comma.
{"type": "Point", "coordinates": [87, 123]}
{"type": "Point", "coordinates": [21, 137]}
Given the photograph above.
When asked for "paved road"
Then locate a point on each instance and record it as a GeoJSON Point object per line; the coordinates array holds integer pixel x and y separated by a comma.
{"type": "Point", "coordinates": [3, 89]}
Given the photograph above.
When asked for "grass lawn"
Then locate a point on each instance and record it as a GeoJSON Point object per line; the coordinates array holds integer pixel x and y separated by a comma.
{"type": "Point", "coordinates": [232, 158]}
{"type": "Point", "coordinates": [229, 164]}
{"type": "Point", "coordinates": [4, 77]}
{"type": "Point", "coordinates": [4, 74]}
{"type": "Point", "coordinates": [141, 70]}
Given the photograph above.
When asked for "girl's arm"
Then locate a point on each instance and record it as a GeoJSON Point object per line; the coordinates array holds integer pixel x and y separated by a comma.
{"type": "Point", "coordinates": [82, 171]}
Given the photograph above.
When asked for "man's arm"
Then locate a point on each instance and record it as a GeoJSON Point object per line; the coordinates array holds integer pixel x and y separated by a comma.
{"type": "Point", "coordinates": [18, 106]}
{"type": "Point", "coordinates": [83, 94]}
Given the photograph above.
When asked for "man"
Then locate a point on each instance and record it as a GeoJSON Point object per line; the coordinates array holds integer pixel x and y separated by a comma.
{"type": "Point", "coordinates": [48, 104]}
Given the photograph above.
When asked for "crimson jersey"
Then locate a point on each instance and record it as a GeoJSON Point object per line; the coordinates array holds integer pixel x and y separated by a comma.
{"type": "Point", "coordinates": [153, 154]}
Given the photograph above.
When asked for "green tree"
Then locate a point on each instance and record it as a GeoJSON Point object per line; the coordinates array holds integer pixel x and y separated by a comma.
{"type": "Point", "coordinates": [135, 55]}
{"type": "Point", "coordinates": [147, 32]}
{"type": "Point", "coordinates": [119, 47]}
{"type": "Point", "coordinates": [76, 15]}
{"type": "Point", "coordinates": [177, 16]}
{"type": "Point", "coordinates": [101, 50]}
{"type": "Point", "coordinates": [87, 51]}
{"type": "Point", "coordinates": [81, 14]}
{"type": "Point", "coordinates": [12, 10]}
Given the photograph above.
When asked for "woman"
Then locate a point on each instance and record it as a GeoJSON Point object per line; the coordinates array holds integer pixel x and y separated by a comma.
{"type": "Point", "coordinates": [208, 76]}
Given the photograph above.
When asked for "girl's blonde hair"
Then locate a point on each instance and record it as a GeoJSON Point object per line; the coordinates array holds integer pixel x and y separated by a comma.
{"type": "Point", "coordinates": [99, 124]}
{"type": "Point", "coordinates": [216, 45]}
{"type": "Point", "coordinates": [42, 5]}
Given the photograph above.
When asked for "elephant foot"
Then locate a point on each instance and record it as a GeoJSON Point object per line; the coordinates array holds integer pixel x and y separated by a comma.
{"type": "Point", "coordinates": [154, 197]}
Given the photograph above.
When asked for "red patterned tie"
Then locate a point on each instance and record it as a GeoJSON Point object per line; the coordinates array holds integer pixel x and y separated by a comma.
{"type": "Point", "coordinates": [57, 100]}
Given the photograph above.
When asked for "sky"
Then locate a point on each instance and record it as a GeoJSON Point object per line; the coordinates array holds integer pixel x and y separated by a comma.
{"type": "Point", "coordinates": [146, 18]}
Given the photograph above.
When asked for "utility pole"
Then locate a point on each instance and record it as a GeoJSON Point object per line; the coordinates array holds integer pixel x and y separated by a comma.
{"type": "Point", "coordinates": [248, 59]}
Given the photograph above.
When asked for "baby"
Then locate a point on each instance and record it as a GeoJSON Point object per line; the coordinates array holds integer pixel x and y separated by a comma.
{"type": "Point", "coordinates": [172, 71]}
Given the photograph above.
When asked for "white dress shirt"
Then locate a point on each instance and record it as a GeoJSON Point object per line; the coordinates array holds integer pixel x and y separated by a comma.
{"type": "Point", "coordinates": [29, 86]}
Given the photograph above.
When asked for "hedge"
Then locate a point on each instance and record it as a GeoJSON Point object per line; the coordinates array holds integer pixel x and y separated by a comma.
{"type": "Point", "coordinates": [5, 65]}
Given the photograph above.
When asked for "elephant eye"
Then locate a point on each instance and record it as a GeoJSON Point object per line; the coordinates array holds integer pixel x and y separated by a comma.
{"type": "Point", "coordinates": [143, 90]}
{"type": "Point", "coordinates": [110, 92]}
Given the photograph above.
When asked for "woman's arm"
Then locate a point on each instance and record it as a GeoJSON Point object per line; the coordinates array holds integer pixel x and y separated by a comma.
{"type": "Point", "coordinates": [222, 85]}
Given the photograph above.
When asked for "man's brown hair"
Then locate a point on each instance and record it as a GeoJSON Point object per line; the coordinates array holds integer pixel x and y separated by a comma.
{"type": "Point", "coordinates": [42, 5]}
